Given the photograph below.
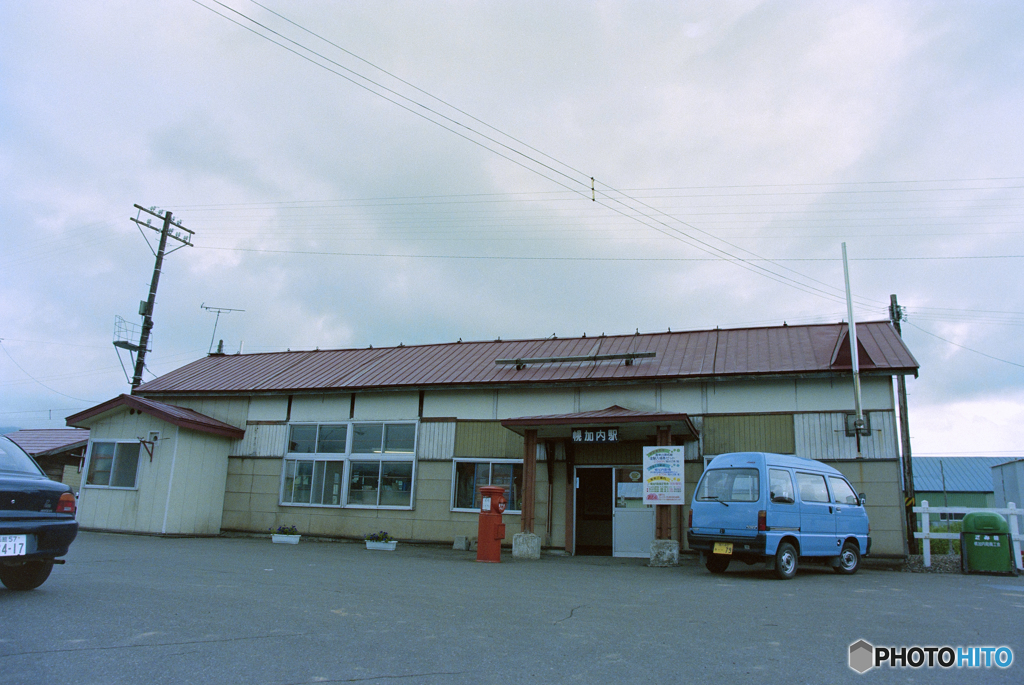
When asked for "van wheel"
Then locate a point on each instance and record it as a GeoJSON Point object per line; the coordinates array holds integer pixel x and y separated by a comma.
{"type": "Point", "coordinates": [785, 561]}
{"type": "Point", "coordinates": [717, 563]}
{"type": "Point", "coordinates": [849, 560]}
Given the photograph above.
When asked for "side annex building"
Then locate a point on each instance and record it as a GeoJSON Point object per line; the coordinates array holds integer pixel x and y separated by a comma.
{"type": "Point", "coordinates": [341, 443]}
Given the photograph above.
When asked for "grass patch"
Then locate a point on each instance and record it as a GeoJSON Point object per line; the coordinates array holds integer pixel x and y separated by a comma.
{"type": "Point", "coordinates": [943, 546]}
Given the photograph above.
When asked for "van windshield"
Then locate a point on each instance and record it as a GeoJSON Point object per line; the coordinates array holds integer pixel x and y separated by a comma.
{"type": "Point", "coordinates": [730, 485]}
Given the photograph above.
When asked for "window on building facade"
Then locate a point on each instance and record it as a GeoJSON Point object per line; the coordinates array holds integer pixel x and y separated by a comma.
{"type": "Point", "coordinates": [349, 464]}
{"type": "Point", "coordinates": [113, 464]}
{"type": "Point", "coordinates": [468, 476]}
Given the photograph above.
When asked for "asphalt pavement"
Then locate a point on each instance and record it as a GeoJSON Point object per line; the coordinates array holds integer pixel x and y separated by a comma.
{"type": "Point", "coordinates": [137, 609]}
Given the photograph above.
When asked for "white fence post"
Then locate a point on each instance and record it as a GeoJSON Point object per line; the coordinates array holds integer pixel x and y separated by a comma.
{"type": "Point", "coordinates": [926, 528]}
{"type": "Point", "coordinates": [1014, 532]}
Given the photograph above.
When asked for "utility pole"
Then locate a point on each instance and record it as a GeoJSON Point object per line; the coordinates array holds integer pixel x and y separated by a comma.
{"type": "Point", "coordinates": [182, 235]}
{"type": "Point", "coordinates": [896, 316]}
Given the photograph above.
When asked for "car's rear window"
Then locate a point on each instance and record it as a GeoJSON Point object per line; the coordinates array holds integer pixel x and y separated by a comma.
{"type": "Point", "coordinates": [730, 485]}
{"type": "Point", "coordinates": [14, 460]}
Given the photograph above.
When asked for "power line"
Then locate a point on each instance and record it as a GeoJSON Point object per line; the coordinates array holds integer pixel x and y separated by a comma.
{"type": "Point", "coordinates": [608, 200]}
{"type": "Point", "coordinates": [964, 347]}
{"type": "Point", "coordinates": [36, 380]}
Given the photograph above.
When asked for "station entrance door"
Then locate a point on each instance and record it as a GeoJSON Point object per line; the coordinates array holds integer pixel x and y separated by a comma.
{"type": "Point", "coordinates": [611, 517]}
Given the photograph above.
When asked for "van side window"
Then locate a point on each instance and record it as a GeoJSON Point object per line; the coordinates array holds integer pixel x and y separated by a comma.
{"type": "Point", "coordinates": [812, 487]}
{"type": "Point", "coordinates": [842, 491]}
{"type": "Point", "coordinates": [781, 484]}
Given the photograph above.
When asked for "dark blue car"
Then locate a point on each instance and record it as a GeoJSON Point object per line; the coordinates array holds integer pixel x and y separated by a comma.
{"type": "Point", "coordinates": [37, 520]}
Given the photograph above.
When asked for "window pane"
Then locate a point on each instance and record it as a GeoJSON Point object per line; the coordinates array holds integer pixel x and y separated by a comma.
{"type": "Point", "coordinates": [303, 484]}
{"type": "Point", "coordinates": [781, 486]}
{"type": "Point", "coordinates": [317, 496]}
{"type": "Point", "coordinates": [332, 439]}
{"type": "Point", "coordinates": [396, 484]}
{"type": "Point", "coordinates": [126, 465]}
{"type": "Point", "coordinates": [730, 485]}
{"type": "Point", "coordinates": [333, 474]}
{"type": "Point", "coordinates": [363, 482]}
{"type": "Point", "coordinates": [844, 494]}
{"type": "Point", "coordinates": [399, 437]}
{"type": "Point", "coordinates": [366, 438]}
{"type": "Point", "coordinates": [100, 462]}
{"type": "Point", "coordinates": [302, 440]}
{"type": "Point", "coordinates": [510, 477]}
{"type": "Point", "coordinates": [466, 482]}
{"type": "Point", "coordinates": [289, 480]}
{"type": "Point", "coordinates": [812, 487]}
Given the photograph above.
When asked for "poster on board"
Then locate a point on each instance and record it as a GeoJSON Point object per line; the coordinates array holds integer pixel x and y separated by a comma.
{"type": "Point", "coordinates": [663, 475]}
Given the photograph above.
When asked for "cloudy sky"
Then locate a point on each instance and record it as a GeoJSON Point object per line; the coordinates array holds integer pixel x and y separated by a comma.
{"type": "Point", "coordinates": [378, 173]}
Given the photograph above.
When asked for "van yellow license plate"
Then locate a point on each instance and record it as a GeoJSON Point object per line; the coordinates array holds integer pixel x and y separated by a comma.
{"type": "Point", "coordinates": [722, 548]}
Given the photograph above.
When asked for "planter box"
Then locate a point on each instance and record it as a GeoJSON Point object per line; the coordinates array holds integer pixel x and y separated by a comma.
{"type": "Point", "coordinates": [285, 539]}
{"type": "Point", "coordinates": [389, 546]}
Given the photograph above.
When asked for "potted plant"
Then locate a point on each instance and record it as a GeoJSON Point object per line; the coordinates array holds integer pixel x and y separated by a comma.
{"type": "Point", "coordinates": [287, 535]}
{"type": "Point", "coordinates": [381, 540]}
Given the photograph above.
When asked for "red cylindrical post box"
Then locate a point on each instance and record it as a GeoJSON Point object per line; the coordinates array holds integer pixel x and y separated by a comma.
{"type": "Point", "coordinates": [491, 530]}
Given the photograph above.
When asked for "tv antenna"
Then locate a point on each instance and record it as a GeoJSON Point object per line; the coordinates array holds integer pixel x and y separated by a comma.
{"type": "Point", "coordinates": [219, 311]}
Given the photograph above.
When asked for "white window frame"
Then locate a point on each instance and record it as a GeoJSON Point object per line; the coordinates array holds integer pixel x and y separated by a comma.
{"type": "Point", "coordinates": [347, 458]}
{"type": "Point", "coordinates": [478, 460]}
{"type": "Point", "coordinates": [89, 459]}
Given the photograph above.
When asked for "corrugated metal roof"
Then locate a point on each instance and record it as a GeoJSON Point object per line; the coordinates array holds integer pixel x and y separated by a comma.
{"type": "Point", "coordinates": [962, 474]}
{"type": "Point", "coordinates": [43, 441]}
{"type": "Point", "coordinates": [176, 416]}
{"type": "Point", "coordinates": [777, 350]}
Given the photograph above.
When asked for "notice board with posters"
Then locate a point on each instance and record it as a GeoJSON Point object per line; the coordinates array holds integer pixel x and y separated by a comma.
{"type": "Point", "coordinates": [663, 475]}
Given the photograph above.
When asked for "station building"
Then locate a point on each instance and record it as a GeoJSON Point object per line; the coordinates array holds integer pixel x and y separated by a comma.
{"type": "Point", "coordinates": [342, 443]}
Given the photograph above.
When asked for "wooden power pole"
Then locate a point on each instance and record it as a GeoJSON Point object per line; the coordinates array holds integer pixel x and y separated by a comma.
{"type": "Point", "coordinates": [895, 316]}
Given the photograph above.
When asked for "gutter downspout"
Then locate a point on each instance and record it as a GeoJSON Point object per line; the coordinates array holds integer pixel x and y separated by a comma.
{"type": "Point", "coordinates": [170, 481]}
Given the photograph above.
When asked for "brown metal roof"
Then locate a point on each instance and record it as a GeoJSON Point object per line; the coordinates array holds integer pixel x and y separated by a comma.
{"type": "Point", "coordinates": [177, 416]}
{"type": "Point", "coordinates": [41, 442]}
{"type": "Point", "coordinates": [778, 350]}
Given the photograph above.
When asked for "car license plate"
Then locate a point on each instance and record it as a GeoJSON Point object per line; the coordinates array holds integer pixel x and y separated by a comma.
{"type": "Point", "coordinates": [722, 548]}
{"type": "Point", "coordinates": [12, 545]}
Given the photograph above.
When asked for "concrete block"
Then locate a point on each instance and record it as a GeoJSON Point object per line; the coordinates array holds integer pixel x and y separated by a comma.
{"type": "Point", "coordinates": [461, 543]}
{"type": "Point", "coordinates": [665, 553]}
{"type": "Point", "coordinates": [525, 547]}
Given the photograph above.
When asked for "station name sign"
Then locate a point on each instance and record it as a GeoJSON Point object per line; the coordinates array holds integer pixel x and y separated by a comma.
{"type": "Point", "coordinates": [595, 434]}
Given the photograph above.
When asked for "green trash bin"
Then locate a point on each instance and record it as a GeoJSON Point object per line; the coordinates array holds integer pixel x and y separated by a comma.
{"type": "Point", "coordinates": [985, 545]}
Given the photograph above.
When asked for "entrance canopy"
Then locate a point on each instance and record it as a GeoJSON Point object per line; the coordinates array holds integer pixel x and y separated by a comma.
{"type": "Point", "coordinates": [631, 424]}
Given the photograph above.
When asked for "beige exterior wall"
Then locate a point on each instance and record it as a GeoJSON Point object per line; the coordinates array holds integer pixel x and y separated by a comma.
{"type": "Point", "coordinates": [268, 408]}
{"type": "Point", "coordinates": [464, 404]}
{"type": "Point", "coordinates": [72, 476]}
{"type": "Point", "coordinates": [251, 505]}
{"type": "Point", "coordinates": [320, 407]}
{"type": "Point", "coordinates": [180, 491]}
{"type": "Point", "coordinates": [534, 402]}
{"type": "Point", "coordinates": [879, 480]}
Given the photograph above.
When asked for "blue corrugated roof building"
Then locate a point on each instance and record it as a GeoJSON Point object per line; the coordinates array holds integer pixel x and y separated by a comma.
{"type": "Point", "coordinates": [962, 474]}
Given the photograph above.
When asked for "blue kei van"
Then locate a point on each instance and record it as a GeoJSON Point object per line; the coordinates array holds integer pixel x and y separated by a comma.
{"type": "Point", "coordinates": [777, 509]}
